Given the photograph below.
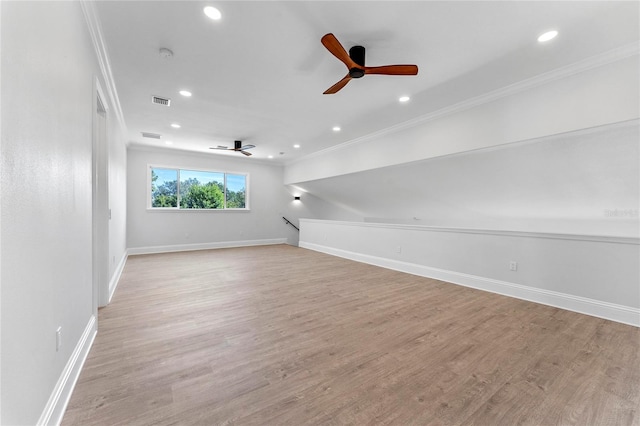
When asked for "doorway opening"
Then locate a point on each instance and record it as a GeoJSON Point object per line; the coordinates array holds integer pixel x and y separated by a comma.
{"type": "Point", "coordinates": [100, 199]}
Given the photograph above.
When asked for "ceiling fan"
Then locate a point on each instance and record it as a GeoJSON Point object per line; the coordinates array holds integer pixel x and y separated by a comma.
{"type": "Point", "coordinates": [237, 146]}
{"type": "Point", "coordinates": [354, 60]}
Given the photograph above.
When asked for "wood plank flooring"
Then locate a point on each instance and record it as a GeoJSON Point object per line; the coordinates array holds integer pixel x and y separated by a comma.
{"type": "Point", "coordinates": [278, 335]}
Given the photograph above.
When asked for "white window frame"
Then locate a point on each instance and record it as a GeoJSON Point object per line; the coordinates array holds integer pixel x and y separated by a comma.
{"type": "Point", "coordinates": [247, 206]}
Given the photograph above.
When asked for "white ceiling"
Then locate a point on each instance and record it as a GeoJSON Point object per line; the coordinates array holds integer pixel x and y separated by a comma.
{"type": "Point", "coordinates": [258, 74]}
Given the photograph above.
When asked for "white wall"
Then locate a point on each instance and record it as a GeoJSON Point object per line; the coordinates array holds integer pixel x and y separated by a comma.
{"type": "Point", "coordinates": [556, 153]}
{"type": "Point", "coordinates": [584, 96]}
{"type": "Point", "coordinates": [572, 182]}
{"type": "Point", "coordinates": [48, 71]}
{"type": "Point", "coordinates": [510, 173]}
{"type": "Point", "coordinates": [590, 274]}
{"type": "Point", "coordinates": [117, 197]}
{"type": "Point", "coordinates": [312, 207]}
{"type": "Point", "coordinates": [269, 200]}
{"type": "Point", "coordinates": [149, 229]}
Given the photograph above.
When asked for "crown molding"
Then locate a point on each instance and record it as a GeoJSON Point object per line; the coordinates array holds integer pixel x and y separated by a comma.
{"type": "Point", "coordinates": [135, 147]}
{"type": "Point", "coordinates": [608, 57]}
{"type": "Point", "coordinates": [100, 47]}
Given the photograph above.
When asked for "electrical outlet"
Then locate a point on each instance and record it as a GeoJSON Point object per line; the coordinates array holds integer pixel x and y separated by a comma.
{"type": "Point", "coordinates": [513, 265]}
{"type": "Point", "coordinates": [58, 338]}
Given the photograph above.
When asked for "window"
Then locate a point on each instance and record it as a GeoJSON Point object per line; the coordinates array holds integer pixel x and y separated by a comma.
{"type": "Point", "coordinates": [197, 189]}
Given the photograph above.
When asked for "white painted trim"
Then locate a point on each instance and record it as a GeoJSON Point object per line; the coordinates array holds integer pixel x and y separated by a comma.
{"type": "Point", "coordinates": [199, 153]}
{"type": "Point", "coordinates": [555, 236]}
{"type": "Point", "coordinates": [608, 127]}
{"type": "Point", "coordinates": [57, 404]}
{"type": "Point", "coordinates": [101, 98]}
{"type": "Point", "coordinates": [99, 45]}
{"type": "Point", "coordinates": [584, 65]}
{"type": "Point", "coordinates": [1, 180]}
{"type": "Point", "coordinates": [205, 246]}
{"type": "Point", "coordinates": [100, 162]}
{"type": "Point", "coordinates": [115, 278]}
{"type": "Point", "coordinates": [583, 305]}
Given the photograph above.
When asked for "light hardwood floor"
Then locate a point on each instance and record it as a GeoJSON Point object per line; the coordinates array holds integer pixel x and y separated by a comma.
{"type": "Point", "coordinates": [279, 335]}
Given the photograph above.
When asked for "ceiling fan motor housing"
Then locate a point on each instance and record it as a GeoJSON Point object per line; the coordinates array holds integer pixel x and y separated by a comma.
{"type": "Point", "coordinates": [354, 60]}
{"type": "Point", "coordinates": [356, 53]}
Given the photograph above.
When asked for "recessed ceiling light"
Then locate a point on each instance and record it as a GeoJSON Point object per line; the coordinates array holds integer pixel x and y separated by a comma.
{"type": "Point", "coordinates": [336, 129]}
{"type": "Point", "coordinates": [169, 143]}
{"type": "Point", "coordinates": [175, 125]}
{"type": "Point", "coordinates": [296, 146]}
{"type": "Point", "coordinates": [403, 99]}
{"type": "Point", "coordinates": [185, 93]}
{"type": "Point", "coordinates": [212, 13]}
{"type": "Point", "coordinates": [547, 36]}
{"type": "Point", "coordinates": [270, 156]}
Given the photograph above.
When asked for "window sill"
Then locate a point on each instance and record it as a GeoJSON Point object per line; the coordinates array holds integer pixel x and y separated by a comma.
{"type": "Point", "coordinates": [176, 210]}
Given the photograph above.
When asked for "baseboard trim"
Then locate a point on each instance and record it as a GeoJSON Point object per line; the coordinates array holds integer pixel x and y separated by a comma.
{"type": "Point", "coordinates": [583, 305]}
{"type": "Point", "coordinates": [205, 246]}
{"type": "Point", "coordinates": [115, 278]}
{"type": "Point", "coordinates": [59, 399]}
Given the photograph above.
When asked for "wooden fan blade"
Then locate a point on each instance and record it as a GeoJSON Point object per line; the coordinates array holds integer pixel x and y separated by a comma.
{"type": "Point", "coordinates": [339, 85]}
{"type": "Point", "coordinates": [333, 45]}
{"type": "Point", "coordinates": [393, 70]}
{"type": "Point", "coordinates": [246, 153]}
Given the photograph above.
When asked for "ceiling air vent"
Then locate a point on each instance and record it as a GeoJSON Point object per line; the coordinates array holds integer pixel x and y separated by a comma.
{"type": "Point", "coordinates": [151, 135]}
{"type": "Point", "coordinates": [160, 101]}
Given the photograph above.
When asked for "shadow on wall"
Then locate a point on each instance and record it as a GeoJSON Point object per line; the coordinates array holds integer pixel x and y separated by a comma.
{"type": "Point", "coordinates": [585, 181]}
{"type": "Point", "coordinates": [309, 206]}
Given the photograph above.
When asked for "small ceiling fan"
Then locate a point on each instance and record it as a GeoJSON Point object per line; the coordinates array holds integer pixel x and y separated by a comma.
{"type": "Point", "coordinates": [354, 60]}
{"type": "Point", "coordinates": [237, 146]}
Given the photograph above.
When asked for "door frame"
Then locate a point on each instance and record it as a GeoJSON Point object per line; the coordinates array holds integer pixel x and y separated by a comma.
{"type": "Point", "coordinates": [100, 199]}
